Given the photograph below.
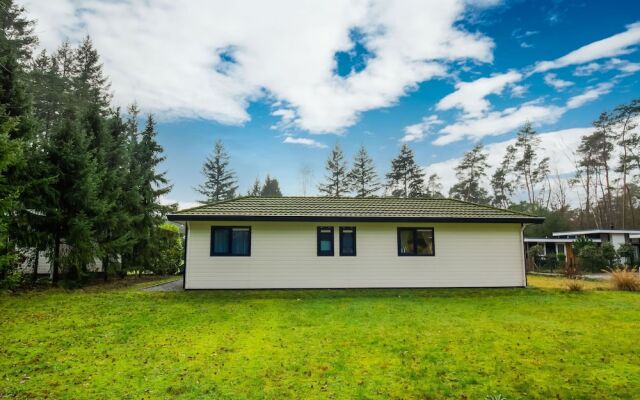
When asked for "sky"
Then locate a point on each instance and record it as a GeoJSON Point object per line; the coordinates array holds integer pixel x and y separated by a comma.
{"type": "Point", "coordinates": [283, 81]}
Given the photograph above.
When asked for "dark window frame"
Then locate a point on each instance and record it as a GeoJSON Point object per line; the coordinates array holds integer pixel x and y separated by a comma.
{"type": "Point", "coordinates": [229, 252]}
{"type": "Point", "coordinates": [415, 242]}
{"type": "Point", "coordinates": [355, 251]}
{"type": "Point", "coordinates": [319, 252]}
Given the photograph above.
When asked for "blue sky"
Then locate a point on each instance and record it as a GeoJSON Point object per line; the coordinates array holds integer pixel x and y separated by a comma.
{"type": "Point", "coordinates": [281, 85]}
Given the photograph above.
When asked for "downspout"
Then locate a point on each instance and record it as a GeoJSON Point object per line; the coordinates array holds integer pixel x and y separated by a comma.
{"type": "Point", "coordinates": [524, 261]}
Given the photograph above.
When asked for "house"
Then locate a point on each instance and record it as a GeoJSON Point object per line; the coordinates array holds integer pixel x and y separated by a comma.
{"type": "Point", "coordinates": [562, 242]}
{"type": "Point", "coordinates": [313, 242]}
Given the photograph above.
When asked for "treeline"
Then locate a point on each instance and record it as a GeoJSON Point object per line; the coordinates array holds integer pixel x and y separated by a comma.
{"type": "Point", "coordinates": [606, 185]}
{"type": "Point", "coordinates": [78, 180]}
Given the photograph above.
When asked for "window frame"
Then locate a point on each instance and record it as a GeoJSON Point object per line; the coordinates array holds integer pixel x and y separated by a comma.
{"type": "Point", "coordinates": [229, 252]}
{"type": "Point", "coordinates": [319, 252]}
{"type": "Point", "coordinates": [415, 242]}
{"type": "Point", "coordinates": [355, 249]}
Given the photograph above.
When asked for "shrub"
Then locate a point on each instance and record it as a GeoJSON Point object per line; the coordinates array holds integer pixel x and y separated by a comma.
{"type": "Point", "coordinates": [591, 258]}
{"type": "Point", "coordinates": [609, 255]}
{"type": "Point", "coordinates": [624, 279]}
{"type": "Point", "coordinates": [571, 269]}
{"type": "Point", "coordinates": [625, 251]}
{"type": "Point", "coordinates": [574, 285]}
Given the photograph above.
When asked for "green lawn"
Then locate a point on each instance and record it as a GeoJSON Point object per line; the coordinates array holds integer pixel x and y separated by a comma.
{"type": "Point", "coordinates": [536, 343]}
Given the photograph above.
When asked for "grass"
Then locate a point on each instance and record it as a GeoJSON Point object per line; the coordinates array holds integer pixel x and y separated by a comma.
{"type": "Point", "coordinates": [535, 343]}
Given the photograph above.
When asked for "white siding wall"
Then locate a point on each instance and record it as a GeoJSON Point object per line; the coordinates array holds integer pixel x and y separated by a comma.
{"type": "Point", "coordinates": [283, 255]}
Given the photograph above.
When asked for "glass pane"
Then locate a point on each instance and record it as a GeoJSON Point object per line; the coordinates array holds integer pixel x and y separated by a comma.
{"type": "Point", "coordinates": [325, 244]}
{"type": "Point", "coordinates": [240, 242]}
{"type": "Point", "coordinates": [221, 241]}
{"type": "Point", "coordinates": [424, 238]}
{"type": "Point", "coordinates": [406, 241]}
{"type": "Point", "coordinates": [348, 242]}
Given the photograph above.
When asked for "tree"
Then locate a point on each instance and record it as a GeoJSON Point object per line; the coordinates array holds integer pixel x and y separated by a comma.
{"type": "Point", "coordinates": [152, 186]}
{"type": "Point", "coordinates": [433, 188]}
{"type": "Point", "coordinates": [625, 119]}
{"type": "Point", "coordinates": [363, 177]}
{"type": "Point", "coordinates": [501, 181]}
{"type": "Point", "coordinates": [271, 188]}
{"type": "Point", "coordinates": [406, 178]}
{"type": "Point", "coordinates": [529, 168]}
{"type": "Point", "coordinates": [9, 154]}
{"type": "Point", "coordinates": [254, 190]}
{"type": "Point", "coordinates": [337, 180]}
{"type": "Point", "coordinates": [89, 82]}
{"type": "Point", "coordinates": [220, 183]}
{"type": "Point", "coordinates": [470, 173]}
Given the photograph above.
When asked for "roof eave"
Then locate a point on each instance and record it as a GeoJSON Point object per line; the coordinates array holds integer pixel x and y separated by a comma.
{"type": "Point", "coordinates": [201, 217]}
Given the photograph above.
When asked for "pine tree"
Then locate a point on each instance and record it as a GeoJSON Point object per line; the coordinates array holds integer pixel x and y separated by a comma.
{"type": "Point", "coordinates": [406, 178]}
{"type": "Point", "coordinates": [153, 185]}
{"type": "Point", "coordinates": [530, 170]}
{"type": "Point", "coordinates": [220, 183]}
{"type": "Point", "coordinates": [363, 177]}
{"type": "Point", "coordinates": [433, 188]}
{"type": "Point", "coordinates": [271, 188]}
{"type": "Point", "coordinates": [501, 182]}
{"type": "Point", "coordinates": [71, 197]}
{"type": "Point", "coordinates": [255, 189]}
{"type": "Point", "coordinates": [10, 152]}
{"type": "Point", "coordinates": [470, 173]}
{"type": "Point", "coordinates": [89, 82]}
{"type": "Point", "coordinates": [337, 181]}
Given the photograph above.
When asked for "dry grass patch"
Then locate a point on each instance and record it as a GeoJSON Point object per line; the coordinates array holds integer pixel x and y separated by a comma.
{"type": "Point", "coordinates": [574, 285]}
{"type": "Point", "coordinates": [625, 279]}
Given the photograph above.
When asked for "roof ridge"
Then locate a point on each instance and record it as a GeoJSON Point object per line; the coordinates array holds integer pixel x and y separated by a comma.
{"type": "Point", "coordinates": [492, 207]}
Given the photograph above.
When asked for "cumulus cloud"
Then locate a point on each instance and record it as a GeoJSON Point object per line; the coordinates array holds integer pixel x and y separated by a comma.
{"type": "Point", "coordinates": [619, 44]}
{"type": "Point", "coordinates": [555, 82]}
{"type": "Point", "coordinates": [508, 120]}
{"type": "Point", "coordinates": [417, 132]}
{"type": "Point", "coordinates": [471, 96]}
{"type": "Point", "coordinates": [210, 59]}
{"type": "Point", "coordinates": [557, 145]}
{"type": "Point", "coordinates": [305, 142]}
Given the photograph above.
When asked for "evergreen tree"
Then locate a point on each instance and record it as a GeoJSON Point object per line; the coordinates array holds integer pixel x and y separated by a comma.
{"type": "Point", "coordinates": [470, 173]}
{"type": "Point", "coordinates": [501, 182]}
{"type": "Point", "coordinates": [530, 169]}
{"type": "Point", "coordinates": [337, 181]}
{"type": "Point", "coordinates": [406, 178]}
{"type": "Point", "coordinates": [71, 198]}
{"type": "Point", "coordinates": [363, 177]}
{"type": "Point", "coordinates": [89, 82]}
{"type": "Point", "coordinates": [9, 154]}
{"type": "Point", "coordinates": [271, 188]}
{"type": "Point", "coordinates": [152, 186]}
{"type": "Point", "coordinates": [255, 189]}
{"type": "Point", "coordinates": [220, 183]}
{"type": "Point", "coordinates": [433, 188]}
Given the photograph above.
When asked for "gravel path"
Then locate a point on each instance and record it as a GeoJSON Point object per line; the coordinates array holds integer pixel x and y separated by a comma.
{"type": "Point", "coordinates": [174, 286]}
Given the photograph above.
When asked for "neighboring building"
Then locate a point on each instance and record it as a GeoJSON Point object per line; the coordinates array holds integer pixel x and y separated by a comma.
{"type": "Point", "coordinates": [562, 242]}
{"type": "Point", "coordinates": [314, 242]}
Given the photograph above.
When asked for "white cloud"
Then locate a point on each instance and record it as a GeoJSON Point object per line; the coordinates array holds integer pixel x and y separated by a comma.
{"type": "Point", "coordinates": [508, 120]}
{"type": "Point", "coordinates": [555, 82]}
{"type": "Point", "coordinates": [621, 43]}
{"type": "Point", "coordinates": [559, 146]}
{"type": "Point", "coordinates": [624, 66]}
{"type": "Point", "coordinates": [470, 96]}
{"type": "Point", "coordinates": [417, 132]}
{"type": "Point", "coordinates": [589, 95]}
{"type": "Point", "coordinates": [227, 54]}
{"type": "Point", "coordinates": [181, 204]}
{"type": "Point", "coordinates": [304, 142]}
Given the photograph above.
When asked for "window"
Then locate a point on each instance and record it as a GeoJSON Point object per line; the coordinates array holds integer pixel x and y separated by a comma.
{"type": "Point", "coordinates": [325, 241]}
{"type": "Point", "coordinates": [230, 241]}
{"type": "Point", "coordinates": [560, 248]}
{"type": "Point", "coordinates": [348, 241]}
{"type": "Point", "coordinates": [415, 242]}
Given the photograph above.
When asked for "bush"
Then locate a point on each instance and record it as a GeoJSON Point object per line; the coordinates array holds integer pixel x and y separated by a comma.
{"type": "Point", "coordinates": [624, 279]}
{"type": "Point", "coordinates": [625, 251]}
{"type": "Point", "coordinates": [574, 285]}
{"type": "Point", "coordinates": [591, 258]}
{"type": "Point", "coordinates": [609, 255]}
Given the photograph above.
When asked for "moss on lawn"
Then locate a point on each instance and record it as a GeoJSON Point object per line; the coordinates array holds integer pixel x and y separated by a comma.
{"type": "Point", "coordinates": [326, 344]}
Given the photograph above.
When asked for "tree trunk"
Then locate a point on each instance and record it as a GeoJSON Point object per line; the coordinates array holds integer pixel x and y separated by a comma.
{"type": "Point", "coordinates": [34, 275]}
{"type": "Point", "coordinates": [55, 273]}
